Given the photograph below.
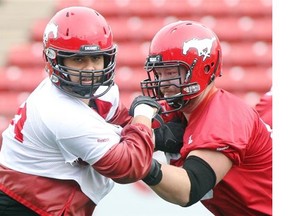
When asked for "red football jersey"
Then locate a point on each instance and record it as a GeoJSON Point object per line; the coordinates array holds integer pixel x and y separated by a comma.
{"type": "Point", "coordinates": [226, 124]}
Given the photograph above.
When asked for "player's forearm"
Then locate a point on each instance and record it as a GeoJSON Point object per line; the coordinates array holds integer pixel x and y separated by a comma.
{"type": "Point", "coordinates": [129, 160]}
{"type": "Point", "coordinates": [174, 186]}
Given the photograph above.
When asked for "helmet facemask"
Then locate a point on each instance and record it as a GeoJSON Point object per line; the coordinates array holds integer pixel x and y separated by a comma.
{"type": "Point", "coordinates": [152, 86]}
{"type": "Point", "coordinates": [62, 74]}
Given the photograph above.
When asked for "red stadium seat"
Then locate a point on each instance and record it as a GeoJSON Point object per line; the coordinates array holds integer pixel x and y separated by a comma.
{"type": "Point", "coordinates": [20, 79]}
{"type": "Point", "coordinates": [10, 101]}
{"type": "Point", "coordinates": [136, 28]}
{"type": "Point", "coordinates": [245, 54]}
{"type": "Point", "coordinates": [238, 29]}
{"type": "Point", "coordinates": [127, 97]}
{"type": "Point", "coordinates": [37, 29]}
{"type": "Point", "coordinates": [128, 78]}
{"type": "Point", "coordinates": [167, 7]}
{"type": "Point", "coordinates": [227, 29]}
{"type": "Point", "coordinates": [240, 79]}
{"type": "Point", "coordinates": [26, 55]}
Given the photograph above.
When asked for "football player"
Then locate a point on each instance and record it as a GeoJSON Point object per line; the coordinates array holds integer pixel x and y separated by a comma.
{"type": "Point", "coordinates": [226, 158]}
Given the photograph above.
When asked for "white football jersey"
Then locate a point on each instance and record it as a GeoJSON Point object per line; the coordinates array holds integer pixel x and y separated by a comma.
{"type": "Point", "coordinates": [52, 130]}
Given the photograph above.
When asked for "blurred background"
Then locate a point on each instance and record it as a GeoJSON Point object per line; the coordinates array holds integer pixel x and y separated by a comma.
{"type": "Point", "coordinates": [244, 28]}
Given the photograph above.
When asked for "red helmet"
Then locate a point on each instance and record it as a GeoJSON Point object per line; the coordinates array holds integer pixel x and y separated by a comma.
{"type": "Point", "coordinates": [79, 31]}
{"type": "Point", "coordinates": [185, 44]}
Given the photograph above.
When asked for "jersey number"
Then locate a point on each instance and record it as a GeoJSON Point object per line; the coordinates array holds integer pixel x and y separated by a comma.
{"type": "Point", "coordinates": [18, 122]}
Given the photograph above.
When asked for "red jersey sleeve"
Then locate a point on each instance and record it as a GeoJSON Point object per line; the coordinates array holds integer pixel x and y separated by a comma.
{"type": "Point", "coordinates": [121, 116]}
{"type": "Point", "coordinates": [129, 160]}
{"type": "Point", "coordinates": [111, 108]}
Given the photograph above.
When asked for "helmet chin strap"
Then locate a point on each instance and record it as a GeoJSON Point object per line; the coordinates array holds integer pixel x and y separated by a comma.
{"type": "Point", "coordinates": [82, 91]}
{"type": "Point", "coordinates": [176, 103]}
{"type": "Point", "coordinates": [89, 92]}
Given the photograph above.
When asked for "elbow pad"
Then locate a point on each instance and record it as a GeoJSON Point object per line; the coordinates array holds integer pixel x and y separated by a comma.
{"type": "Point", "coordinates": [202, 178]}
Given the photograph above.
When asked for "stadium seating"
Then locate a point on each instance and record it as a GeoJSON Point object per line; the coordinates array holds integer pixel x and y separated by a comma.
{"type": "Point", "coordinates": [19, 79]}
{"type": "Point", "coordinates": [10, 101]}
{"type": "Point", "coordinates": [26, 55]}
{"type": "Point", "coordinates": [244, 28]}
{"type": "Point", "coordinates": [136, 28]}
{"type": "Point", "coordinates": [135, 53]}
{"type": "Point", "coordinates": [173, 7]}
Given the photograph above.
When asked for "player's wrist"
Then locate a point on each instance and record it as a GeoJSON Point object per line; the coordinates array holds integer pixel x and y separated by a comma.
{"type": "Point", "coordinates": [144, 110]}
{"type": "Point", "coordinates": [155, 174]}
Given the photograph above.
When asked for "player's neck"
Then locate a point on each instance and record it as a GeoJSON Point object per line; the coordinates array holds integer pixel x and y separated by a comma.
{"type": "Point", "coordinates": [195, 102]}
{"type": "Point", "coordinates": [86, 101]}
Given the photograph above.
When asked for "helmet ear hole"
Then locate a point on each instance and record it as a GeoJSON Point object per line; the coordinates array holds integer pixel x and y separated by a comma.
{"type": "Point", "coordinates": [207, 69]}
